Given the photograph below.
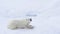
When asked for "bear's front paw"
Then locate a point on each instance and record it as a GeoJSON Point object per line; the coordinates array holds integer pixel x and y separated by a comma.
{"type": "Point", "coordinates": [30, 27]}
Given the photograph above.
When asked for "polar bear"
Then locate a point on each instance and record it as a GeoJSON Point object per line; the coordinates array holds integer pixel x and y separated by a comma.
{"type": "Point", "coordinates": [24, 23]}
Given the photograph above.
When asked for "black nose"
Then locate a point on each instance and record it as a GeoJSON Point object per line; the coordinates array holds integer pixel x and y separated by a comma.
{"type": "Point", "coordinates": [30, 19]}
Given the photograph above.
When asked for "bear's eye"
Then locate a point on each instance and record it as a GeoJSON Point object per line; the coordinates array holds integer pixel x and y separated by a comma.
{"type": "Point", "coordinates": [30, 19]}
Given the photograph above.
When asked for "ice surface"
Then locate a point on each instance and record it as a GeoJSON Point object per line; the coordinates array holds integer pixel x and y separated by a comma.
{"type": "Point", "coordinates": [45, 15]}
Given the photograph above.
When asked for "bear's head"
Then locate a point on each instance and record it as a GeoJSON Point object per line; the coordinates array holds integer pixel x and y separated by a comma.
{"type": "Point", "coordinates": [29, 19]}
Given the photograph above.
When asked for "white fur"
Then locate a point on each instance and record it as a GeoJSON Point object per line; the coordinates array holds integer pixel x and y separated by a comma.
{"type": "Point", "coordinates": [19, 24]}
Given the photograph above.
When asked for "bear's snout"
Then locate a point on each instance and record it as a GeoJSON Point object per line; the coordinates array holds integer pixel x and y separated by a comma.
{"type": "Point", "coordinates": [30, 19]}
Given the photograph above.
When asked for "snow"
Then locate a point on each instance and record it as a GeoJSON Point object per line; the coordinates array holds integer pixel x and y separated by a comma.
{"type": "Point", "coordinates": [45, 15]}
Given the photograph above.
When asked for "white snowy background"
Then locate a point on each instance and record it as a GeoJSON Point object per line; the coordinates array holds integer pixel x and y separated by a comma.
{"type": "Point", "coordinates": [45, 15]}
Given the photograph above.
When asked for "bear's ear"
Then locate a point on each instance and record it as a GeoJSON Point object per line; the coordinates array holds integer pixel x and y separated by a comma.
{"type": "Point", "coordinates": [30, 19]}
